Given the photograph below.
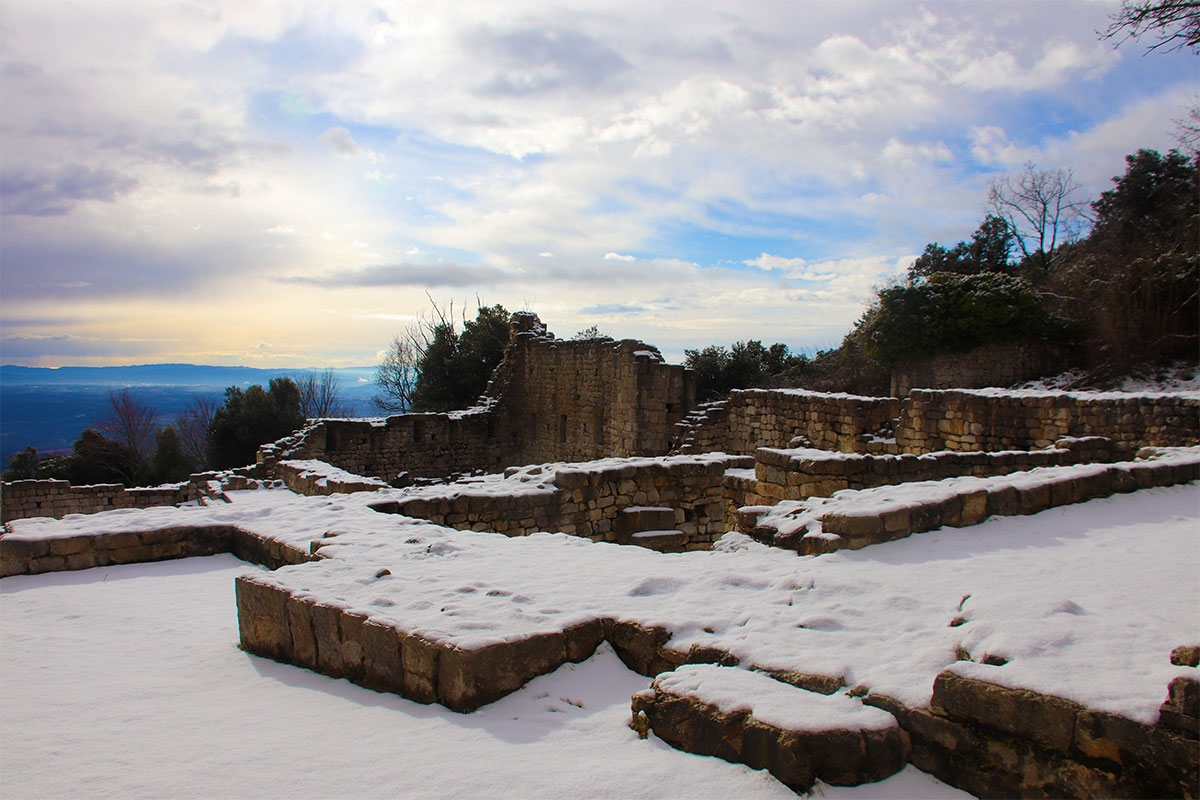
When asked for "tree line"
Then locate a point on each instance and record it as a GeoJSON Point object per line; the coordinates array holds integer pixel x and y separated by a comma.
{"type": "Point", "coordinates": [128, 446]}
{"type": "Point", "coordinates": [1123, 294]}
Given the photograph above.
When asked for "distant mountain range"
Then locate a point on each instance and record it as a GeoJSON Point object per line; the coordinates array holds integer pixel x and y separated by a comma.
{"type": "Point", "coordinates": [49, 407]}
{"type": "Point", "coordinates": [162, 375]}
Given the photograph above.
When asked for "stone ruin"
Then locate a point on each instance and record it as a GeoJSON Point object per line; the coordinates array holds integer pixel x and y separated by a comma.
{"type": "Point", "coordinates": [601, 439]}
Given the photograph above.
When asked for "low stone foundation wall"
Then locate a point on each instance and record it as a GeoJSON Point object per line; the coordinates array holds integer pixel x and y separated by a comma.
{"type": "Point", "coordinates": [754, 418]}
{"type": "Point", "coordinates": [964, 420]}
{"type": "Point", "coordinates": [802, 473]}
{"type": "Point", "coordinates": [296, 628]}
{"type": "Point", "coordinates": [995, 741]}
{"type": "Point", "coordinates": [797, 735]}
{"type": "Point", "coordinates": [866, 518]}
{"type": "Point", "coordinates": [584, 499]}
{"type": "Point", "coordinates": [54, 498]}
{"type": "Point", "coordinates": [21, 556]}
{"type": "Point", "coordinates": [316, 478]}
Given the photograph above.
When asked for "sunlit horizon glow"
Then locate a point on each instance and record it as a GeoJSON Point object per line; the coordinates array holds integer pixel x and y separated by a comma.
{"type": "Point", "coordinates": [287, 184]}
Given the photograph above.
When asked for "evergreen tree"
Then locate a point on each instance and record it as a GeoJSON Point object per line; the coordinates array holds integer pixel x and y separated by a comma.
{"type": "Point", "coordinates": [252, 418]}
{"type": "Point", "coordinates": [169, 464]}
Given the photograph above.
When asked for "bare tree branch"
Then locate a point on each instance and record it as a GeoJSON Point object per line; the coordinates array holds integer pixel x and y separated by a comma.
{"type": "Point", "coordinates": [1176, 22]}
{"type": "Point", "coordinates": [321, 394]}
{"type": "Point", "coordinates": [133, 423]}
{"type": "Point", "coordinates": [192, 424]}
{"type": "Point", "coordinates": [1039, 208]}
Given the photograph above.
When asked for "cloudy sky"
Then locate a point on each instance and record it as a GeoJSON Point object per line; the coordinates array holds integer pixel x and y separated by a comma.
{"type": "Point", "coordinates": [287, 184]}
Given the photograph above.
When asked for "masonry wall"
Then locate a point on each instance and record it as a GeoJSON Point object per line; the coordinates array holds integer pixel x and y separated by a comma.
{"type": "Point", "coordinates": [754, 418]}
{"type": "Point", "coordinates": [965, 420]}
{"type": "Point", "coordinates": [53, 498]}
{"type": "Point", "coordinates": [549, 400]}
{"type": "Point", "coordinates": [581, 400]}
{"type": "Point", "coordinates": [1004, 364]}
{"type": "Point", "coordinates": [800, 474]}
{"type": "Point", "coordinates": [588, 501]}
{"type": "Point", "coordinates": [417, 444]}
{"type": "Point", "coordinates": [929, 421]}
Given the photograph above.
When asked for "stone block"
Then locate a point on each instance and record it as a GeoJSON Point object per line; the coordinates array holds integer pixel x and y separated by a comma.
{"type": "Point", "coordinates": [84, 560]}
{"type": "Point", "coordinates": [353, 652]}
{"type": "Point", "coordinates": [70, 545]}
{"type": "Point", "coordinates": [23, 548]}
{"type": "Point", "coordinates": [1186, 655]}
{"type": "Point", "coordinates": [1151, 761]}
{"type": "Point", "coordinates": [1040, 718]}
{"type": "Point", "coordinates": [1004, 501]}
{"type": "Point", "coordinates": [468, 679]}
{"type": "Point", "coordinates": [638, 647]}
{"type": "Point", "coordinates": [419, 658]}
{"type": "Point", "coordinates": [1033, 499]}
{"type": "Point", "coordinates": [382, 667]}
{"type": "Point", "coordinates": [843, 756]}
{"type": "Point", "coordinates": [580, 641]}
{"type": "Point", "coordinates": [854, 526]}
{"type": "Point", "coordinates": [262, 618]}
{"type": "Point", "coordinates": [300, 628]}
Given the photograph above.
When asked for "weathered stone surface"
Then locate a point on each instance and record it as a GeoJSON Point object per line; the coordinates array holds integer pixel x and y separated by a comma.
{"type": "Point", "coordinates": [1186, 655]}
{"type": "Point", "coordinates": [262, 618]}
{"type": "Point", "coordinates": [797, 756]}
{"type": "Point", "coordinates": [468, 679]}
{"type": "Point", "coordinates": [419, 658]}
{"type": "Point", "coordinates": [383, 670]}
{"type": "Point", "coordinates": [1039, 718]}
{"type": "Point", "coordinates": [639, 648]}
{"type": "Point", "coordinates": [580, 641]}
{"type": "Point", "coordinates": [1153, 762]}
{"type": "Point", "coordinates": [300, 628]}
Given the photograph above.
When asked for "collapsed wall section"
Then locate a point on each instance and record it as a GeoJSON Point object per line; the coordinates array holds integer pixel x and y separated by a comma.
{"type": "Point", "coordinates": [549, 400]}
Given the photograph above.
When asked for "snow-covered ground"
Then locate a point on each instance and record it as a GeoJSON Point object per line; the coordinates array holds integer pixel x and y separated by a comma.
{"type": "Point", "coordinates": [127, 681]}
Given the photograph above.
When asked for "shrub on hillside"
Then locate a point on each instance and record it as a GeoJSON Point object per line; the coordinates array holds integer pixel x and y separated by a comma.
{"type": "Point", "coordinates": [950, 313]}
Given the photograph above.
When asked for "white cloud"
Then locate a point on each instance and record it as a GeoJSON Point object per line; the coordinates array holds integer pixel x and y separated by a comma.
{"type": "Point", "coordinates": [172, 140]}
{"type": "Point", "coordinates": [339, 140]}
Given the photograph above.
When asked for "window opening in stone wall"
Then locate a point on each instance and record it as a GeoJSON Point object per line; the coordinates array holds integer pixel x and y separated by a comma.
{"type": "Point", "coordinates": [418, 430]}
{"type": "Point", "coordinates": [562, 428]}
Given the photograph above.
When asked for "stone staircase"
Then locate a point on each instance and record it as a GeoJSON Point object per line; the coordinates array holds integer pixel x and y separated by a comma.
{"type": "Point", "coordinates": [704, 416]}
{"type": "Point", "coordinates": [652, 527]}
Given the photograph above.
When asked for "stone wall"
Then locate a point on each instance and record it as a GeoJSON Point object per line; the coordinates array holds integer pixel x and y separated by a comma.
{"type": "Point", "coordinates": [964, 420]}
{"type": "Point", "coordinates": [859, 518]}
{"type": "Point", "coordinates": [754, 418]}
{"type": "Point", "coordinates": [796, 474]}
{"type": "Point", "coordinates": [929, 421]}
{"type": "Point", "coordinates": [32, 556]}
{"type": "Point", "coordinates": [585, 500]}
{"type": "Point", "coordinates": [1004, 364]}
{"type": "Point", "coordinates": [549, 400]}
{"type": "Point", "coordinates": [54, 498]}
{"type": "Point", "coordinates": [995, 741]}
